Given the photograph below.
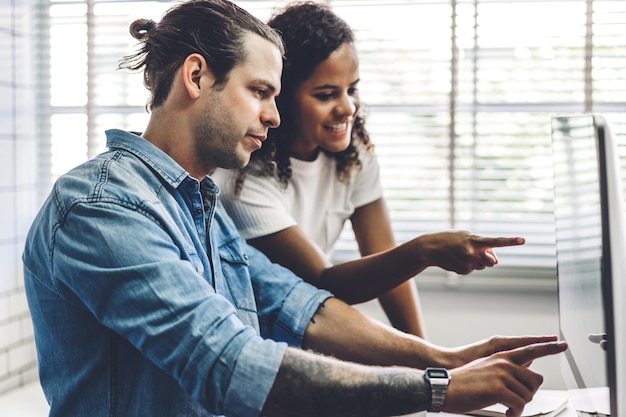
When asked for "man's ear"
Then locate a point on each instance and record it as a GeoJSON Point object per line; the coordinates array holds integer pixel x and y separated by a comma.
{"type": "Point", "coordinates": [195, 74]}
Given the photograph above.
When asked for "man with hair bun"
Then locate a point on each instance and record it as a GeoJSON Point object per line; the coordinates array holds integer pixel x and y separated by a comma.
{"type": "Point", "coordinates": [146, 301]}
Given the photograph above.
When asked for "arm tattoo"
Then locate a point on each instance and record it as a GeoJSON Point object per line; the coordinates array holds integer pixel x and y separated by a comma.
{"type": "Point", "coordinates": [308, 384]}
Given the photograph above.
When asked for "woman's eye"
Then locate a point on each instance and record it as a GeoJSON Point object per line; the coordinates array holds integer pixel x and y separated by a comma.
{"type": "Point", "coordinates": [324, 96]}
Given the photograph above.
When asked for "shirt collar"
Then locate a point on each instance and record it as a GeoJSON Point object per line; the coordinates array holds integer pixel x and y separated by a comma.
{"type": "Point", "coordinates": [143, 149]}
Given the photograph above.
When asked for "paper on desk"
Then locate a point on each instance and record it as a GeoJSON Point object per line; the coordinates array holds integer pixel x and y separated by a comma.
{"type": "Point", "coordinates": [545, 403]}
{"type": "Point", "coordinates": [591, 401]}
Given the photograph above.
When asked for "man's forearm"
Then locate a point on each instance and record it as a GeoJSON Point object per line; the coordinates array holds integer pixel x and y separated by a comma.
{"type": "Point", "coordinates": [345, 333]}
{"type": "Point", "coordinates": [313, 385]}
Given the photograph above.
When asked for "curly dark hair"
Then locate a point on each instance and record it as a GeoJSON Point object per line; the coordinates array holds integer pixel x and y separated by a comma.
{"type": "Point", "coordinates": [215, 29]}
{"type": "Point", "coordinates": [311, 32]}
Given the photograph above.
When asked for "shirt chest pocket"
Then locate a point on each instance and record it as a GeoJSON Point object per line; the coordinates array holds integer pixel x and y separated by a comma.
{"type": "Point", "coordinates": [237, 276]}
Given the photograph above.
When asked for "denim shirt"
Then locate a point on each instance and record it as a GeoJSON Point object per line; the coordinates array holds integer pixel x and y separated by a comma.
{"type": "Point", "coordinates": [145, 300]}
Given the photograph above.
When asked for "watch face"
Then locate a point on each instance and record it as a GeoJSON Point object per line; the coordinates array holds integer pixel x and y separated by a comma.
{"type": "Point", "coordinates": [437, 373]}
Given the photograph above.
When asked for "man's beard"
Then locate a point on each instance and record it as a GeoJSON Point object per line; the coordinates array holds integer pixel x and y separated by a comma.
{"type": "Point", "coordinates": [219, 141]}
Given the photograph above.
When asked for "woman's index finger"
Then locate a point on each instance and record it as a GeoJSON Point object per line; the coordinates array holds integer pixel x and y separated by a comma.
{"type": "Point", "coordinates": [499, 242]}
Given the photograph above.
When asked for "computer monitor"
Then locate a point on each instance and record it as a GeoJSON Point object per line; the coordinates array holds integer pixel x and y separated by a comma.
{"type": "Point", "coordinates": [590, 245]}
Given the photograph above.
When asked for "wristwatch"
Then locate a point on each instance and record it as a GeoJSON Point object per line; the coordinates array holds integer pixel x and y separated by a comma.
{"type": "Point", "coordinates": [438, 378]}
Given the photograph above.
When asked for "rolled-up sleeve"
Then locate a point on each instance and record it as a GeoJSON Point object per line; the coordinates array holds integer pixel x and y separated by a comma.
{"type": "Point", "coordinates": [297, 311]}
{"type": "Point", "coordinates": [253, 377]}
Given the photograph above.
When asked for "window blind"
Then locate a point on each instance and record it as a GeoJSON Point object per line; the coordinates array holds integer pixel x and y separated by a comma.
{"type": "Point", "coordinates": [458, 96]}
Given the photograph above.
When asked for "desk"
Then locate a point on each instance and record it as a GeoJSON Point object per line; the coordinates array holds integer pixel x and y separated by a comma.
{"type": "Point", "coordinates": [567, 412]}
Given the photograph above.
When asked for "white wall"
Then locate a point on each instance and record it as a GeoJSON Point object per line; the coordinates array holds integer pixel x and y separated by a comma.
{"type": "Point", "coordinates": [17, 190]}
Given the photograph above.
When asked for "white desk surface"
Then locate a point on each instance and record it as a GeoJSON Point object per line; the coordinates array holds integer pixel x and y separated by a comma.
{"type": "Point", "coordinates": [567, 412]}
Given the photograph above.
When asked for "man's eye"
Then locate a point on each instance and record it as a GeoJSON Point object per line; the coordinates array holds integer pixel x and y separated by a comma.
{"type": "Point", "coordinates": [261, 92]}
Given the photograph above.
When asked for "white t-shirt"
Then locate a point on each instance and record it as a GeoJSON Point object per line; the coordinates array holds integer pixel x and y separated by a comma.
{"type": "Point", "coordinates": [314, 199]}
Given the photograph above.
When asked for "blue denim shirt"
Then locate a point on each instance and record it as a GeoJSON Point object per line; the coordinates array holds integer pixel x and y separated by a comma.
{"type": "Point", "coordinates": [146, 301]}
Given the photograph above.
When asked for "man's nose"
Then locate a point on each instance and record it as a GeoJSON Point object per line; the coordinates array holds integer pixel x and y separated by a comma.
{"type": "Point", "coordinates": [271, 117]}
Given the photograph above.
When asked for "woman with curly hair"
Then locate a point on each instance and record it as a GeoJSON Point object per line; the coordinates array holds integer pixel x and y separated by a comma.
{"type": "Point", "coordinates": [318, 169]}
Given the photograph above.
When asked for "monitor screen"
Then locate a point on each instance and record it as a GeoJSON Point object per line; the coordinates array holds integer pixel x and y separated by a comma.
{"type": "Point", "coordinates": [589, 235]}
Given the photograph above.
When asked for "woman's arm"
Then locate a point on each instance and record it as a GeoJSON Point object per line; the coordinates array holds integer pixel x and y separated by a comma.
{"type": "Point", "coordinates": [354, 281]}
{"type": "Point", "coordinates": [373, 275]}
{"type": "Point", "coordinates": [373, 233]}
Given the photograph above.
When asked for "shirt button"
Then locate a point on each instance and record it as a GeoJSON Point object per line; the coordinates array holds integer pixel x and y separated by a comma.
{"type": "Point", "coordinates": [245, 256]}
{"type": "Point", "coordinates": [198, 211]}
